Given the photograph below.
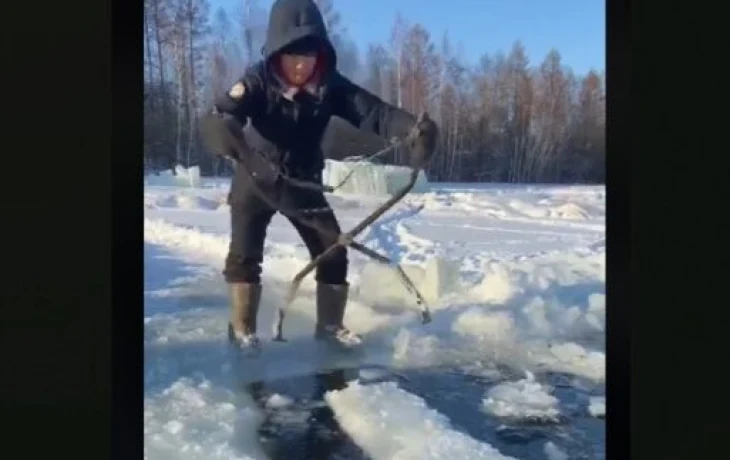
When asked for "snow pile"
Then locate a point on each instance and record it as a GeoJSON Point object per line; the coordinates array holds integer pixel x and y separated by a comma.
{"type": "Point", "coordinates": [555, 295]}
{"type": "Point", "coordinates": [439, 200]}
{"type": "Point", "coordinates": [567, 211]}
{"type": "Point", "coordinates": [212, 247]}
{"type": "Point", "coordinates": [544, 313]}
{"type": "Point", "coordinates": [281, 263]}
{"type": "Point", "coordinates": [524, 399]}
{"type": "Point", "coordinates": [578, 208]}
{"type": "Point", "coordinates": [192, 420]}
{"type": "Point", "coordinates": [370, 178]}
{"type": "Point", "coordinates": [183, 177]}
{"type": "Point", "coordinates": [390, 423]}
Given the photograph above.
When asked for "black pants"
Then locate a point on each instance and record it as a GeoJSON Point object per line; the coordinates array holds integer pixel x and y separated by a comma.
{"type": "Point", "coordinates": [250, 218]}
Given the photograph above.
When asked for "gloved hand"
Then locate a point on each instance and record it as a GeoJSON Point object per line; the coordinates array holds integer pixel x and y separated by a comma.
{"type": "Point", "coordinates": [219, 131]}
{"type": "Point", "coordinates": [423, 140]}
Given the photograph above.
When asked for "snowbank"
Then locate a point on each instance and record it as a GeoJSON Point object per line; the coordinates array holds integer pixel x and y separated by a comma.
{"type": "Point", "coordinates": [183, 177]}
{"type": "Point", "coordinates": [370, 178]}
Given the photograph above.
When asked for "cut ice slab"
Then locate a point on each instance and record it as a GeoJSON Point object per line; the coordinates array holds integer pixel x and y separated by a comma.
{"type": "Point", "coordinates": [183, 177]}
{"type": "Point", "coordinates": [370, 179]}
{"type": "Point", "coordinates": [388, 422]}
{"type": "Point", "coordinates": [437, 278]}
{"type": "Point", "coordinates": [304, 356]}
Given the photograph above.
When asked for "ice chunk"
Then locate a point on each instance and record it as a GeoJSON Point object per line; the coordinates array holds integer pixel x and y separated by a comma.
{"type": "Point", "coordinates": [380, 283]}
{"type": "Point", "coordinates": [188, 176]}
{"type": "Point", "coordinates": [597, 406]}
{"type": "Point", "coordinates": [494, 327]}
{"type": "Point", "coordinates": [499, 283]}
{"type": "Point", "coordinates": [277, 401]}
{"type": "Point", "coordinates": [573, 358]}
{"type": "Point", "coordinates": [441, 277]}
{"type": "Point", "coordinates": [183, 177]}
{"type": "Point", "coordinates": [370, 178]}
{"type": "Point", "coordinates": [418, 349]}
{"type": "Point", "coordinates": [387, 422]}
{"type": "Point", "coordinates": [524, 399]}
{"type": "Point", "coordinates": [553, 452]}
{"type": "Point", "coordinates": [194, 420]}
{"type": "Point", "coordinates": [596, 314]}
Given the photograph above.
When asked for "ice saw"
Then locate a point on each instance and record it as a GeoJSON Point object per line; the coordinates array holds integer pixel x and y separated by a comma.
{"type": "Point", "coordinates": [245, 158]}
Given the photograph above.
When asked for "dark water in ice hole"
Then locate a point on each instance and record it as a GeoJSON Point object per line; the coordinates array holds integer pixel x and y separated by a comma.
{"type": "Point", "coordinates": [307, 429]}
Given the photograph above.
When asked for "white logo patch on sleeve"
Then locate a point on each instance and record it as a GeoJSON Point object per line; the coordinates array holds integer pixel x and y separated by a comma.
{"type": "Point", "coordinates": [237, 91]}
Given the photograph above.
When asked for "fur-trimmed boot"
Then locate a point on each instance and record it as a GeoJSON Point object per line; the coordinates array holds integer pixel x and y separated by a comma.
{"type": "Point", "coordinates": [245, 299]}
{"type": "Point", "coordinates": [331, 302]}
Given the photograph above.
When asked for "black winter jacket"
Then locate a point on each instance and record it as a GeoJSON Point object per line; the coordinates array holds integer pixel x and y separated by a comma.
{"type": "Point", "coordinates": [287, 130]}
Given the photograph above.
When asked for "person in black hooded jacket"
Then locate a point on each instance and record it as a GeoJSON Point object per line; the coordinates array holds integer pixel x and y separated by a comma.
{"type": "Point", "coordinates": [280, 109]}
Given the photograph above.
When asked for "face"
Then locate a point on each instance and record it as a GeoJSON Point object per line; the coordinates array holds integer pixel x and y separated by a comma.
{"type": "Point", "coordinates": [298, 68]}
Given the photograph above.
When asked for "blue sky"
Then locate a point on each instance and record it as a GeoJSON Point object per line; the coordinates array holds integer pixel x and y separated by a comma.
{"type": "Point", "coordinates": [576, 28]}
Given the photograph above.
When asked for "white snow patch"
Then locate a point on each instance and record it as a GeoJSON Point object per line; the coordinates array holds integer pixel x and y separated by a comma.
{"type": "Point", "coordinates": [524, 399]}
{"type": "Point", "coordinates": [212, 247]}
{"type": "Point", "coordinates": [199, 421]}
{"type": "Point", "coordinates": [568, 211]}
{"type": "Point", "coordinates": [182, 201]}
{"type": "Point", "coordinates": [597, 406]}
{"type": "Point", "coordinates": [282, 260]}
{"type": "Point", "coordinates": [370, 178]}
{"type": "Point", "coordinates": [390, 423]}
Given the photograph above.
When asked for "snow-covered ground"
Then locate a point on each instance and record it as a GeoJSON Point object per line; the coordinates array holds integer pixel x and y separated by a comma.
{"type": "Point", "coordinates": [515, 278]}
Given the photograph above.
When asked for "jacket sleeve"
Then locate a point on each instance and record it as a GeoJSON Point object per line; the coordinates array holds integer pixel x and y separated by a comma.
{"type": "Point", "coordinates": [368, 112]}
{"type": "Point", "coordinates": [243, 98]}
{"type": "Point", "coordinates": [230, 111]}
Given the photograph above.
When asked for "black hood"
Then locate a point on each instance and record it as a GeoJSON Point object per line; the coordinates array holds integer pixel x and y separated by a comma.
{"type": "Point", "coordinates": [292, 20]}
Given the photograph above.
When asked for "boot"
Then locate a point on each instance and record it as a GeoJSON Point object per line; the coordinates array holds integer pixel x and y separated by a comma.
{"type": "Point", "coordinates": [245, 299]}
{"type": "Point", "coordinates": [331, 302]}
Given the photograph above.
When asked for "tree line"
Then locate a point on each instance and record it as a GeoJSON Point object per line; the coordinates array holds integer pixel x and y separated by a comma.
{"type": "Point", "coordinates": [502, 119]}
